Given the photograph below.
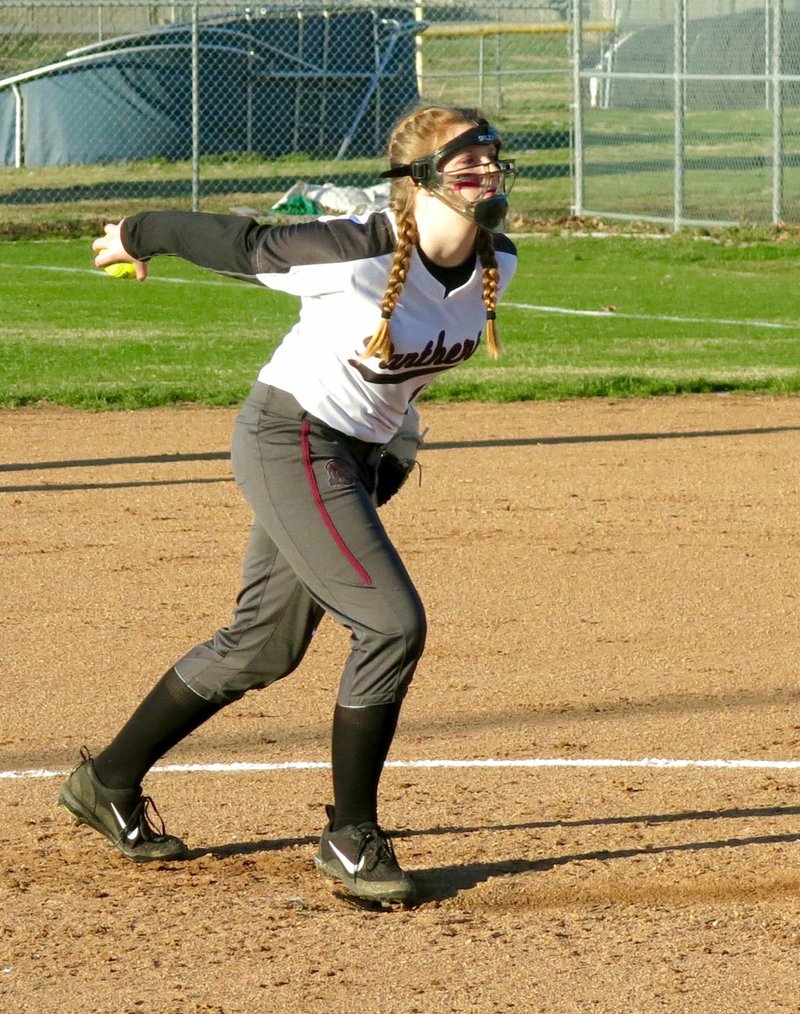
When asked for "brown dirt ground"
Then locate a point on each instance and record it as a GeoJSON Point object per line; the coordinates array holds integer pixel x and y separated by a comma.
{"type": "Point", "coordinates": [603, 579]}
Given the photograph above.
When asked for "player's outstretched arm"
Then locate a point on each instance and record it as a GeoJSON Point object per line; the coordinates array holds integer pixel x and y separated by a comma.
{"type": "Point", "coordinates": [221, 243]}
{"type": "Point", "coordinates": [243, 248]}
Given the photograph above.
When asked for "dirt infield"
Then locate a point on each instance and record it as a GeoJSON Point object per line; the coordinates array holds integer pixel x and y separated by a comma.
{"type": "Point", "coordinates": [604, 581]}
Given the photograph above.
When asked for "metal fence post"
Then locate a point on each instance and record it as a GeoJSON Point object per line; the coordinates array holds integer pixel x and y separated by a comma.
{"type": "Point", "coordinates": [777, 112]}
{"type": "Point", "coordinates": [19, 131]}
{"type": "Point", "coordinates": [481, 46]}
{"type": "Point", "coordinates": [195, 46]}
{"type": "Point", "coordinates": [577, 110]}
{"type": "Point", "coordinates": [767, 52]}
{"type": "Point", "coordinates": [498, 71]}
{"type": "Point", "coordinates": [679, 70]}
{"type": "Point", "coordinates": [419, 57]}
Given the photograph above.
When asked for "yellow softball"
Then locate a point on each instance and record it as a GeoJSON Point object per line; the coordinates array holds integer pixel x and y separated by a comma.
{"type": "Point", "coordinates": [120, 270]}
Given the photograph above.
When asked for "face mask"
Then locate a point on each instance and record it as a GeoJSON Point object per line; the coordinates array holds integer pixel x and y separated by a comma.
{"type": "Point", "coordinates": [487, 210]}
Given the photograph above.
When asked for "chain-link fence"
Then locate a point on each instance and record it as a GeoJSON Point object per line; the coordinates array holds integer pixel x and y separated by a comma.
{"type": "Point", "coordinates": [679, 111]}
{"type": "Point", "coordinates": [114, 105]}
{"type": "Point", "coordinates": [690, 115]}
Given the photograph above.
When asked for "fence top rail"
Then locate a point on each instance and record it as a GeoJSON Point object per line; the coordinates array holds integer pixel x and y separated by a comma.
{"type": "Point", "coordinates": [620, 75]}
{"type": "Point", "coordinates": [499, 28]}
{"type": "Point", "coordinates": [221, 8]}
{"type": "Point", "coordinates": [722, 223]}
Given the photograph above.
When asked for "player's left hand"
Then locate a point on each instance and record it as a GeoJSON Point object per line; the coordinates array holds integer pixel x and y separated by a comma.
{"type": "Point", "coordinates": [392, 475]}
{"type": "Point", "coordinates": [398, 457]}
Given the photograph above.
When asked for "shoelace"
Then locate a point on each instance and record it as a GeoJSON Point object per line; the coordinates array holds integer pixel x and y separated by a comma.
{"type": "Point", "coordinates": [141, 818]}
{"type": "Point", "coordinates": [376, 848]}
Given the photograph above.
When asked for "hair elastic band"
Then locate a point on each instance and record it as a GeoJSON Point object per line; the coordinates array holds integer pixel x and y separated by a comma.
{"type": "Point", "coordinates": [386, 314]}
{"type": "Point", "coordinates": [491, 315]}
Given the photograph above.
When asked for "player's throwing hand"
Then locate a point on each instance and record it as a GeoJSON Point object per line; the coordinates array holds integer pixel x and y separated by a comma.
{"type": "Point", "coordinates": [109, 249]}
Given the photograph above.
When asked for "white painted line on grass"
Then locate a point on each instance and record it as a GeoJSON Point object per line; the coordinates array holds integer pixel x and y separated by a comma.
{"type": "Point", "coordinates": [104, 277]}
{"type": "Point", "coordinates": [567, 311]}
{"type": "Point", "coordinates": [531, 762]}
{"type": "Point", "coordinates": [611, 314]}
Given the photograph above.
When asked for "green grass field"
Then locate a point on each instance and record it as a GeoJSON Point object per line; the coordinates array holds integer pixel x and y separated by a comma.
{"type": "Point", "coordinates": [669, 315]}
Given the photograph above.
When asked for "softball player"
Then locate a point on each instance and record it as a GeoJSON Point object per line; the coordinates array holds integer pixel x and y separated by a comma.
{"type": "Point", "coordinates": [388, 302]}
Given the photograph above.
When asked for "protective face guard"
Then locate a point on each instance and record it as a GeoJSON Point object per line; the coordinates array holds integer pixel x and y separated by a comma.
{"type": "Point", "coordinates": [496, 176]}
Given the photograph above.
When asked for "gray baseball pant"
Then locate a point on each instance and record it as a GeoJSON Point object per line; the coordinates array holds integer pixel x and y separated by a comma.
{"type": "Point", "coordinates": [316, 545]}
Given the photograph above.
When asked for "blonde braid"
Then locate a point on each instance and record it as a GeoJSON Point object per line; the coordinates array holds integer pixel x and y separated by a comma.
{"type": "Point", "coordinates": [380, 344]}
{"type": "Point", "coordinates": [484, 246]}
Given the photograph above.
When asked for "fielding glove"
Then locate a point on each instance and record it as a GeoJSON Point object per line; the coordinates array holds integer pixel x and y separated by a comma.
{"type": "Point", "coordinates": [398, 457]}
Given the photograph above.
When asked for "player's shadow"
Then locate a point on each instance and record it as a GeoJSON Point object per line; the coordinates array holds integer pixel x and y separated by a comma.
{"type": "Point", "coordinates": [248, 848]}
{"type": "Point", "coordinates": [442, 882]}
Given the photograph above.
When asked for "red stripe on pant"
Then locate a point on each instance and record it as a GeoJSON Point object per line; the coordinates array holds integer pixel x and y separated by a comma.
{"type": "Point", "coordinates": [323, 512]}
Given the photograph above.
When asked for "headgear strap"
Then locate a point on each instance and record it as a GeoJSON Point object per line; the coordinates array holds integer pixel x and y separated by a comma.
{"type": "Point", "coordinates": [421, 169]}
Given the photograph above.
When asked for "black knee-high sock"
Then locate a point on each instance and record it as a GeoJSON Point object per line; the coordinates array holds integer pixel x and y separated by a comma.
{"type": "Point", "coordinates": [166, 716]}
{"type": "Point", "coordinates": [361, 741]}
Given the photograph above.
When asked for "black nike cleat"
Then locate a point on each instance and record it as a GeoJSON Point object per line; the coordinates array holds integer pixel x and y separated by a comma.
{"type": "Point", "coordinates": [362, 858]}
{"type": "Point", "coordinates": [121, 815]}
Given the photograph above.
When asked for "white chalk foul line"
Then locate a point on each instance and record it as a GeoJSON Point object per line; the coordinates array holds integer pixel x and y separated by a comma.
{"type": "Point", "coordinates": [611, 314]}
{"type": "Point", "coordinates": [97, 273]}
{"type": "Point", "coordinates": [531, 762]}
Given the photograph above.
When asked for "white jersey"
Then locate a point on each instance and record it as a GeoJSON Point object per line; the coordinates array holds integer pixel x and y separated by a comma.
{"type": "Point", "coordinates": [339, 268]}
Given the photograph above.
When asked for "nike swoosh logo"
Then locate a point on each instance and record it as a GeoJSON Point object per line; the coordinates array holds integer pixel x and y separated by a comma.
{"type": "Point", "coordinates": [352, 868]}
{"type": "Point", "coordinates": [120, 820]}
{"type": "Point", "coordinates": [131, 836]}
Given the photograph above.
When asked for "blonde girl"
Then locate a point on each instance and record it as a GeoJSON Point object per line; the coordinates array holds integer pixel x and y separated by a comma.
{"type": "Point", "coordinates": [388, 301]}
